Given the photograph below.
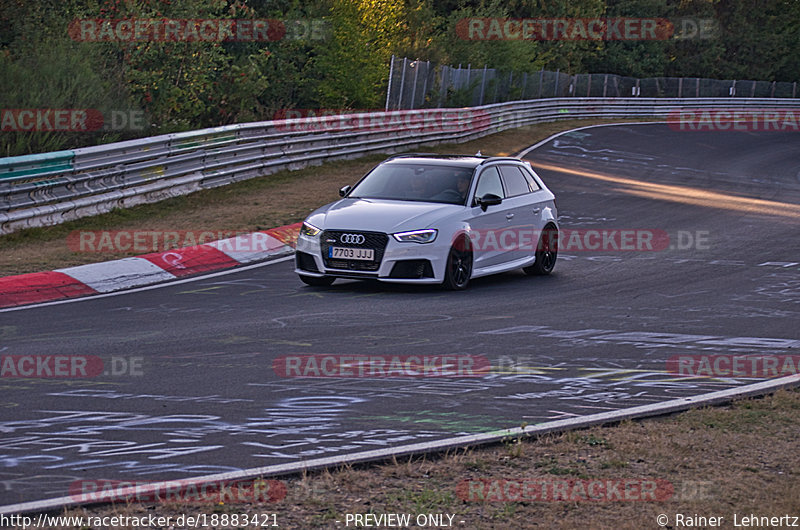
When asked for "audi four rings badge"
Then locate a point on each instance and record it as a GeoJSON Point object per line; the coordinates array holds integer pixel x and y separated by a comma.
{"type": "Point", "coordinates": [353, 239]}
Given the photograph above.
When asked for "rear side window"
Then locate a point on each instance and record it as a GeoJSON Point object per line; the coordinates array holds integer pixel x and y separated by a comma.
{"type": "Point", "coordinates": [531, 180]}
{"type": "Point", "coordinates": [490, 183]}
{"type": "Point", "coordinates": [516, 181]}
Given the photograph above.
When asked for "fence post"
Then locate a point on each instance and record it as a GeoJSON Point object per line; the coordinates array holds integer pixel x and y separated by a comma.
{"type": "Point", "coordinates": [555, 89]}
{"type": "Point", "coordinates": [697, 90]}
{"type": "Point", "coordinates": [415, 66]}
{"type": "Point", "coordinates": [605, 85]}
{"type": "Point", "coordinates": [389, 88]}
{"type": "Point", "coordinates": [442, 85]}
{"type": "Point", "coordinates": [525, 85]}
{"type": "Point", "coordinates": [483, 85]}
{"type": "Point", "coordinates": [733, 88]}
{"type": "Point", "coordinates": [772, 92]}
{"type": "Point", "coordinates": [469, 76]}
{"type": "Point", "coordinates": [753, 90]}
{"type": "Point", "coordinates": [541, 80]}
{"type": "Point", "coordinates": [425, 83]}
{"type": "Point", "coordinates": [402, 84]}
{"type": "Point", "coordinates": [680, 87]}
{"type": "Point", "coordinates": [794, 89]}
{"type": "Point", "coordinates": [510, 82]}
{"type": "Point", "coordinates": [589, 87]}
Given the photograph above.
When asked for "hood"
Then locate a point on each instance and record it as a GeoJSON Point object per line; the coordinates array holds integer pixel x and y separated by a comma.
{"type": "Point", "coordinates": [380, 215]}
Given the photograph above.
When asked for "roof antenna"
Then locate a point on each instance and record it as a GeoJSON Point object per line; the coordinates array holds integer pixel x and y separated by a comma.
{"type": "Point", "coordinates": [478, 153]}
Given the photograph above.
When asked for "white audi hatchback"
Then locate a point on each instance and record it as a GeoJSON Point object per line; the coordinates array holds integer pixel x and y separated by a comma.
{"type": "Point", "coordinates": [432, 219]}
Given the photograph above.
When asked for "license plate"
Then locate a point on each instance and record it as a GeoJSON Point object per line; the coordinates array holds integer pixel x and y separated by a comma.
{"type": "Point", "coordinates": [364, 254]}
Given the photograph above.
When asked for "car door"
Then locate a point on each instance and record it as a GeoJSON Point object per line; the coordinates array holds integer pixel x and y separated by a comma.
{"type": "Point", "coordinates": [520, 237]}
{"type": "Point", "coordinates": [488, 225]}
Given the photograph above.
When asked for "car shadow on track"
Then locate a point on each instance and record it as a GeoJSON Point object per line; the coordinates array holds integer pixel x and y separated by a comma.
{"type": "Point", "coordinates": [512, 279]}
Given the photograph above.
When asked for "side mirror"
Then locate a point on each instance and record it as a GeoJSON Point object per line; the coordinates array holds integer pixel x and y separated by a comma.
{"type": "Point", "coordinates": [490, 199]}
{"type": "Point", "coordinates": [344, 191]}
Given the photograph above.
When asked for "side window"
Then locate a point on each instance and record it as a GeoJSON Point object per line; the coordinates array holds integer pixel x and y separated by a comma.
{"type": "Point", "coordinates": [532, 181]}
{"type": "Point", "coordinates": [515, 181]}
{"type": "Point", "coordinates": [490, 183]}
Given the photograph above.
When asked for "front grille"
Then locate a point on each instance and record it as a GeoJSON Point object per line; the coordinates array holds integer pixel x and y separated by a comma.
{"type": "Point", "coordinates": [306, 262]}
{"type": "Point", "coordinates": [374, 240]}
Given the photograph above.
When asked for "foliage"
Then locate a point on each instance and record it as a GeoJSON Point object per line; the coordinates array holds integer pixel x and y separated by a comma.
{"type": "Point", "coordinates": [189, 85]}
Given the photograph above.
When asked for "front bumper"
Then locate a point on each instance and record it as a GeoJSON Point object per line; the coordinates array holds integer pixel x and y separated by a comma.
{"type": "Point", "coordinates": [420, 263]}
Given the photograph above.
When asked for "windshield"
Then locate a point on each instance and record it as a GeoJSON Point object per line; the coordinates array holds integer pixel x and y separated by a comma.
{"type": "Point", "coordinates": [416, 182]}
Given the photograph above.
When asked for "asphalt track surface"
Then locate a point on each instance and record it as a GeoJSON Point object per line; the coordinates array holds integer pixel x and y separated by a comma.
{"type": "Point", "coordinates": [594, 336]}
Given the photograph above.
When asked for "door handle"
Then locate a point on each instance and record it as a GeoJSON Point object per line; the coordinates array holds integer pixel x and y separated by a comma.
{"type": "Point", "coordinates": [509, 216]}
{"type": "Point", "coordinates": [537, 210]}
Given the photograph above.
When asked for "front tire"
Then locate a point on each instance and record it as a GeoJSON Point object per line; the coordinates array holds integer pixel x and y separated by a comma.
{"type": "Point", "coordinates": [324, 281]}
{"type": "Point", "coordinates": [546, 253]}
{"type": "Point", "coordinates": [459, 266]}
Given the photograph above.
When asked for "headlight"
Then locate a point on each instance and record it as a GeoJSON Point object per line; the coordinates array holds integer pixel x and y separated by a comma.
{"type": "Point", "coordinates": [416, 236]}
{"type": "Point", "coordinates": [309, 230]}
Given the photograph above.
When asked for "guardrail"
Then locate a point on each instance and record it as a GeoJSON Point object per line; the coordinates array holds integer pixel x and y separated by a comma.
{"type": "Point", "coordinates": [48, 189]}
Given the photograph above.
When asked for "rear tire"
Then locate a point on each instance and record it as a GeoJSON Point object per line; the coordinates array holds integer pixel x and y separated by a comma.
{"type": "Point", "coordinates": [546, 253]}
{"type": "Point", "coordinates": [458, 269]}
{"type": "Point", "coordinates": [324, 281]}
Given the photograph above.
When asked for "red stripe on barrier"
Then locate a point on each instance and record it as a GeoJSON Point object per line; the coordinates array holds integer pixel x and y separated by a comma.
{"type": "Point", "coordinates": [40, 287]}
{"type": "Point", "coordinates": [191, 260]}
